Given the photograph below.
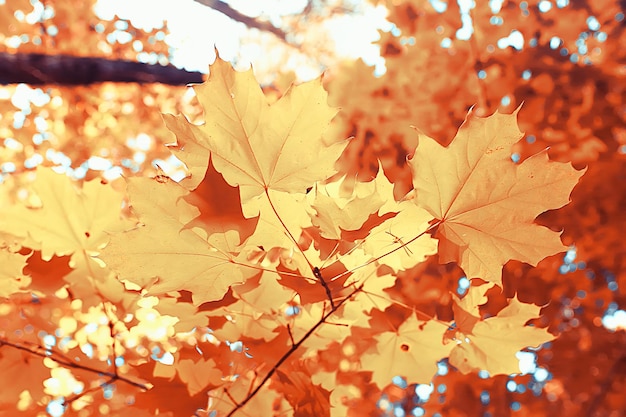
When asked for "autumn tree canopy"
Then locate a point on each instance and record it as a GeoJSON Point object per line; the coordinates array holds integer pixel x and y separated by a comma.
{"type": "Point", "coordinates": [442, 239]}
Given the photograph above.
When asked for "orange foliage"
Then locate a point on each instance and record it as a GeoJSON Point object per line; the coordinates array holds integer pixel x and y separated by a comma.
{"type": "Point", "coordinates": [294, 271]}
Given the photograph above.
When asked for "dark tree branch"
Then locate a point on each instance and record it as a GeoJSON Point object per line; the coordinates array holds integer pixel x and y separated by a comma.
{"type": "Point", "coordinates": [318, 275]}
{"type": "Point", "coordinates": [40, 69]}
{"type": "Point", "coordinates": [251, 22]}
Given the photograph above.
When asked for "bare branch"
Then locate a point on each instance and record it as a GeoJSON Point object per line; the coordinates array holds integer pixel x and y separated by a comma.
{"type": "Point", "coordinates": [251, 22]}
{"type": "Point", "coordinates": [40, 69]}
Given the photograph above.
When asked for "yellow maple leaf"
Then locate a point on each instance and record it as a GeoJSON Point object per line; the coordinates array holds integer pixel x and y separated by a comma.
{"type": "Point", "coordinates": [372, 295]}
{"type": "Point", "coordinates": [190, 147]}
{"type": "Point", "coordinates": [197, 375]}
{"type": "Point", "coordinates": [411, 352]}
{"type": "Point", "coordinates": [335, 211]}
{"type": "Point", "coordinates": [163, 255]}
{"type": "Point", "coordinates": [491, 344]}
{"type": "Point", "coordinates": [485, 202]}
{"type": "Point", "coordinates": [11, 277]}
{"type": "Point", "coordinates": [291, 215]}
{"type": "Point", "coordinates": [405, 235]}
{"type": "Point", "coordinates": [258, 146]}
{"type": "Point", "coordinates": [342, 398]}
{"type": "Point", "coordinates": [68, 219]}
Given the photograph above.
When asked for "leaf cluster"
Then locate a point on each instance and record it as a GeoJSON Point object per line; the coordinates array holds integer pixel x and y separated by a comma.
{"type": "Point", "coordinates": [240, 280]}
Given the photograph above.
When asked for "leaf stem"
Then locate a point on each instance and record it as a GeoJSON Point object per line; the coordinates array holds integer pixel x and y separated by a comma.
{"type": "Point", "coordinates": [293, 239]}
{"type": "Point", "coordinates": [316, 271]}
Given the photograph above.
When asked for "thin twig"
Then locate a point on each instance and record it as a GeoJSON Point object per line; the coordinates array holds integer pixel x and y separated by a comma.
{"type": "Point", "coordinates": [112, 333]}
{"type": "Point", "coordinates": [252, 382]}
{"type": "Point", "coordinates": [82, 394]}
{"type": "Point", "coordinates": [316, 271]}
{"type": "Point", "coordinates": [376, 259]}
{"type": "Point", "coordinates": [57, 357]}
{"type": "Point", "coordinates": [293, 342]}
{"type": "Point", "coordinates": [230, 397]}
{"type": "Point", "coordinates": [318, 275]}
{"type": "Point", "coordinates": [293, 348]}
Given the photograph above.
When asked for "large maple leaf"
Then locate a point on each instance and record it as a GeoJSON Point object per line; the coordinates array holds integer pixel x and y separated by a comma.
{"type": "Point", "coordinates": [67, 219]}
{"type": "Point", "coordinates": [165, 255]}
{"type": "Point", "coordinates": [258, 146]}
{"type": "Point", "coordinates": [485, 202]}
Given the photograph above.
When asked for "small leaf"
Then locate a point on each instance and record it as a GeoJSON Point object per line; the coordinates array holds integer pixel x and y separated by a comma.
{"type": "Point", "coordinates": [412, 352]}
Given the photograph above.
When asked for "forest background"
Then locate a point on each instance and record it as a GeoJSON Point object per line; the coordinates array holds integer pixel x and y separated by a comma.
{"type": "Point", "coordinates": [84, 95]}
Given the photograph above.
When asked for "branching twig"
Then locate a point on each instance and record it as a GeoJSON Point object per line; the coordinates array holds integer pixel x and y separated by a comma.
{"type": "Point", "coordinates": [60, 359]}
{"type": "Point", "coordinates": [231, 397]}
{"type": "Point", "coordinates": [293, 348]}
{"type": "Point", "coordinates": [318, 275]}
{"type": "Point", "coordinates": [82, 394]}
{"type": "Point", "coordinates": [376, 259]}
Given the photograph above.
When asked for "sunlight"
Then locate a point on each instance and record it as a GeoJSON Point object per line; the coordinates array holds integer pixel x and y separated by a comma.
{"type": "Point", "coordinates": [195, 30]}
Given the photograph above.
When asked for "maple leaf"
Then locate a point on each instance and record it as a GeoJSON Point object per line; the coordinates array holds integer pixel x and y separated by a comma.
{"type": "Point", "coordinates": [371, 296]}
{"type": "Point", "coordinates": [11, 277]}
{"type": "Point", "coordinates": [485, 202]}
{"type": "Point", "coordinates": [335, 211]}
{"type": "Point", "coordinates": [491, 344]}
{"type": "Point", "coordinates": [68, 219]}
{"type": "Point", "coordinates": [163, 254]}
{"type": "Point", "coordinates": [258, 146]}
{"type": "Point", "coordinates": [197, 375]}
{"type": "Point", "coordinates": [24, 370]}
{"type": "Point", "coordinates": [306, 398]}
{"type": "Point", "coordinates": [412, 352]}
{"type": "Point", "coordinates": [405, 235]}
{"type": "Point", "coordinates": [265, 294]}
{"type": "Point", "coordinates": [342, 397]}
{"type": "Point", "coordinates": [224, 399]}
{"type": "Point", "coordinates": [279, 213]}
{"type": "Point", "coordinates": [189, 148]}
